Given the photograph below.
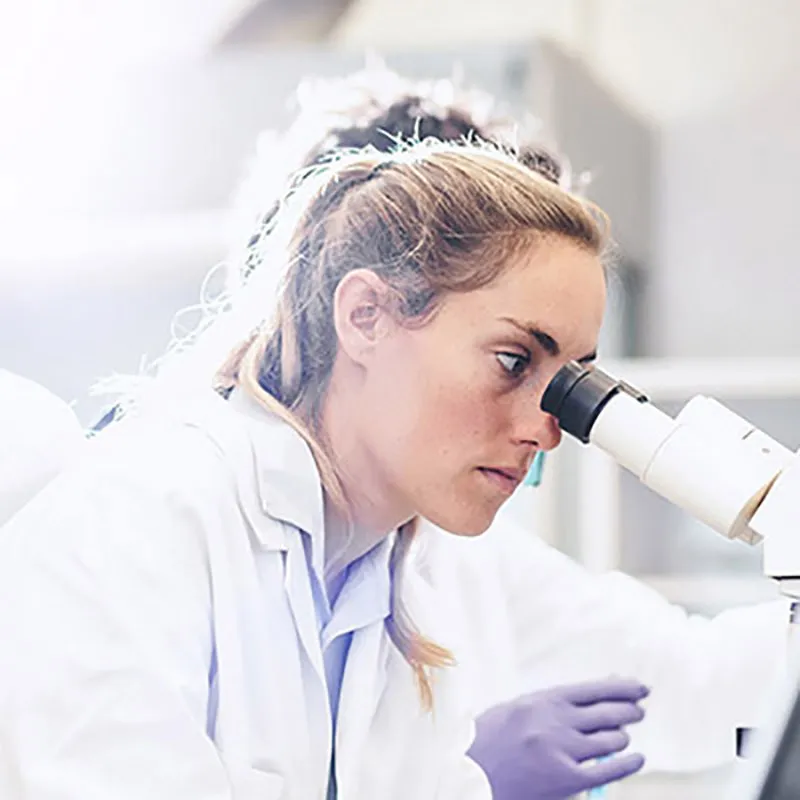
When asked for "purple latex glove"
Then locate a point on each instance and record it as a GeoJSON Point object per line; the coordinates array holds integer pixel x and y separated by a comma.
{"type": "Point", "coordinates": [542, 746]}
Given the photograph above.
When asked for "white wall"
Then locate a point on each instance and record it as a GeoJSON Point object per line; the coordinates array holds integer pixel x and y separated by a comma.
{"type": "Point", "coordinates": [419, 23]}
{"type": "Point", "coordinates": [727, 281]}
{"type": "Point", "coordinates": [667, 58]}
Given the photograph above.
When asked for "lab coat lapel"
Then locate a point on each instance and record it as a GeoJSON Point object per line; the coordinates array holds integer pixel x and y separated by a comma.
{"type": "Point", "coordinates": [289, 490]}
{"type": "Point", "coordinates": [288, 481]}
{"type": "Point", "coordinates": [365, 674]}
{"type": "Point", "coordinates": [301, 602]}
{"type": "Point", "coordinates": [363, 684]}
{"type": "Point", "coordinates": [382, 722]}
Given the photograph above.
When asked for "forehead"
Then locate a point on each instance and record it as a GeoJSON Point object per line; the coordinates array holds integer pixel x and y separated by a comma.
{"type": "Point", "coordinates": [556, 285]}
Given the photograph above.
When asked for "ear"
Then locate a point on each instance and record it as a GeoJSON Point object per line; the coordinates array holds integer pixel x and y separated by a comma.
{"type": "Point", "coordinates": [361, 313]}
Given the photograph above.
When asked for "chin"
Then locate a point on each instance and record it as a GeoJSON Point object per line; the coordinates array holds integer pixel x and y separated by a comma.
{"type": "Point", "coordinates": [464, 522]}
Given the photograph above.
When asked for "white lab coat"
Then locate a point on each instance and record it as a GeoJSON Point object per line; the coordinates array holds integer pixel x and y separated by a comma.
{"type": "Point", "coordinates": [159, 637]}
{"type": "Point", "coordinates": [539, 619]}
{"type": "Point", "coordinates": [39, 435]}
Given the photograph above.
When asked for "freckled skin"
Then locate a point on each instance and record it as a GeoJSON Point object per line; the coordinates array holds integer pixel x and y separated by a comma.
{"type": "Point", "coordinates": [463, 391]}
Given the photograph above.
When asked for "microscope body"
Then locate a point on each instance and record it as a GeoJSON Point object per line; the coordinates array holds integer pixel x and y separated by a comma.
{"type": "Point", "coordinates": [777, 521]}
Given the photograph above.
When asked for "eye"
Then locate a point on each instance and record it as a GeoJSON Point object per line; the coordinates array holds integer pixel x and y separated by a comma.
{"type": "Point", "coordinates": [513, 363]}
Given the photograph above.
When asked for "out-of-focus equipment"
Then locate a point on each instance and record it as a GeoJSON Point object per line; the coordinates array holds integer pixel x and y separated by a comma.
{"type": "Point", "coordinates": [772, 770]}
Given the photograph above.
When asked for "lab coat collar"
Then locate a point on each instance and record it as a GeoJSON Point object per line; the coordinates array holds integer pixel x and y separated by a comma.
{"type": "Point", "coordinates": [289, 484]}
{"type": "Point", "coordinates": [286, 484]}
{"type": "Point", "coordinates": [365, 596]}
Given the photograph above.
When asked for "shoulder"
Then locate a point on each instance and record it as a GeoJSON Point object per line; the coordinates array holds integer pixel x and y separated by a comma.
{"type": "Point", "coordinates": [200, 456]}
{"type": "Point", "coordinates": [182, 454]}
{"type": "Point", "coordinates": [192, 470]}
{"type": "Point", "coordinates": [151, 496]}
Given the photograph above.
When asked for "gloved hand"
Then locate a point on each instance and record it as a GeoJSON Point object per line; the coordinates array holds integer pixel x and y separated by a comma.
{"type": "Point", "coordinates": [535, 747]}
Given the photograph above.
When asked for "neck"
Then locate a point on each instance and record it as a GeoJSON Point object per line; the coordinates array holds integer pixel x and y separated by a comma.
{"type": "Point", "coordinates": [372, 513]}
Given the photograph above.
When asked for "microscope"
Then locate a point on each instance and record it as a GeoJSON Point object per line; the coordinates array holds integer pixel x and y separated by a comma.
{"type": "Point", "coordinates": [707, 460]}
{"type": "Point", "coordinates": [728, 474]}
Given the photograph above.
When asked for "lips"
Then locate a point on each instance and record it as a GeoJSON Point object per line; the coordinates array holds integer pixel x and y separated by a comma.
{"type": "Point", "coordinates": [512, 473]}
{"type": "Point", "coordinates": [507, 479]}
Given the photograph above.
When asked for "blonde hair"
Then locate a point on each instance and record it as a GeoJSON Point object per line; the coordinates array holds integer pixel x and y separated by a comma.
{"type": "Point", "coordinates": [377, 107]}
{"type": "Point", "coordinates": [429, 219]}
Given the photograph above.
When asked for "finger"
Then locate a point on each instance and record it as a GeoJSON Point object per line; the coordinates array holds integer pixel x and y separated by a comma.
{"type": "Point", "coordinates": [606, 716]}
{"type": "Point", "coordinates": [614, 769]}
{"type": "Point", "coordinates": [598, 745]}
{"type": "Point", "coordinates": [621, 689]}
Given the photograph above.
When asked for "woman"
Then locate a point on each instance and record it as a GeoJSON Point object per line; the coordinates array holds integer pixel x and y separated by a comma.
{"type": "Point", "coordinates": [220, 602]}
{"type": "Point", "coordinates": [538, 619]}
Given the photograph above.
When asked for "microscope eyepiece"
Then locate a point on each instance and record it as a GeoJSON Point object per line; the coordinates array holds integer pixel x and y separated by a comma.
{"type": "Point", "coordinates": [707, 460]}
{"type": "Point", "coordinates": [578, 393]}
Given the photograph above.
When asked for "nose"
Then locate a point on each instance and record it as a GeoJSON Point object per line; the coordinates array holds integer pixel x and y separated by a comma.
{"type": "Point", "coordinates": [538, 428]}
{"type": "Point", "coordinates": [550, 437]}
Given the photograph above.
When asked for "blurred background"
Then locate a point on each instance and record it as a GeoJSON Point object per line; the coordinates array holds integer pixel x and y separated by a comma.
{"type": "Point", "coordinates": [127, 127]}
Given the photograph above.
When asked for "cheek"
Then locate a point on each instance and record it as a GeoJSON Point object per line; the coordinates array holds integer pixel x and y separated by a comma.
{"type": "Point", "coordinates": [441, 404]}
{"type": "Point", "coordinates": [454, 420]}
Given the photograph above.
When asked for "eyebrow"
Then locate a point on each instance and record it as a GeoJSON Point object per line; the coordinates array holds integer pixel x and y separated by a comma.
{"type": "Point", "coordinates": [547, 342]}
